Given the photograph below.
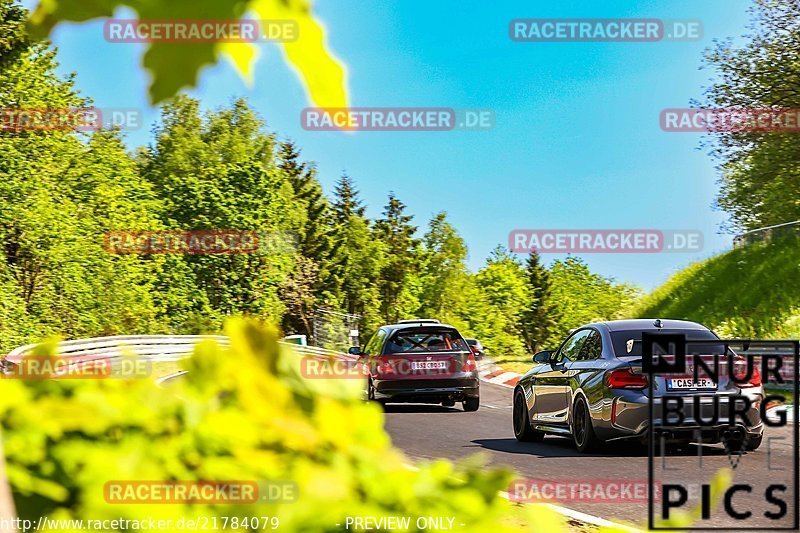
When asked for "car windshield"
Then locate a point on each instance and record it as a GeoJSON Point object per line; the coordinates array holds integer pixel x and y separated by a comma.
{"type": "Point", "coordinates": [628, 343]}
{"type": "Point", "coordinates": [425, 340]}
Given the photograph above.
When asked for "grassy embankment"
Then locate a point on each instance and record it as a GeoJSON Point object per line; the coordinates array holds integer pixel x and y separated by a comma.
{"type": "Point", "coordinates": [749, 292]}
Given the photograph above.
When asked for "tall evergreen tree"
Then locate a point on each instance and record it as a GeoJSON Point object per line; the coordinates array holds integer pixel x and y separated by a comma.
{"type": "Point", "coordinates": [356, 257]}
{"type": "Point", "coordinates": [346, 202]}
{"type": "Point", "coordinates": [537, 319]}
{"type": "Point", "coordinates": [397, 234]}
{"type": "Point", "coordinates": [313, 241]}
{"type": "Point", "coordinates": [312, 238]}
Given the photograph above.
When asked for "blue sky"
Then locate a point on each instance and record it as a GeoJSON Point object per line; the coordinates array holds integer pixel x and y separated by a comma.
{"type": "Point", "coordinates": [576, 144]}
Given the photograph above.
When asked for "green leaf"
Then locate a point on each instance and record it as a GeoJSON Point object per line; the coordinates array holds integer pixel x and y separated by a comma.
{"type": "Point", "coordinates": [174, 66]}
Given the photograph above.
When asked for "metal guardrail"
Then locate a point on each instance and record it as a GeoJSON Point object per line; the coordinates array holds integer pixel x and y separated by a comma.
{"type": "Point", "coordinates": [158, 347]}
{"type": "Point", "coordinates": [132, 344]}
{"type": "Point", "coordinates": [767, 233]}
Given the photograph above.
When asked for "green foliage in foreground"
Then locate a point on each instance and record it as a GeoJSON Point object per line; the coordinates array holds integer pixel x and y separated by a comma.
{"type": "Point", "coordinates": [752, 291]}
{"type": "Point", "coordinates": [243, 413]}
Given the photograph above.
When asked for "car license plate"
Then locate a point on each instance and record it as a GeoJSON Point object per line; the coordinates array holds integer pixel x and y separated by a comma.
{"type": "Point", "coordinates": [429, 365]}
{"type": "Point", "coordinates": [688, 383]}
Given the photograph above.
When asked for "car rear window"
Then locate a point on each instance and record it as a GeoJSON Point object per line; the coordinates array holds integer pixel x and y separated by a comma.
{"type": "Point", "coordinates": [424, 340]}
{"type": "Point", "coordinates": [629, 343]}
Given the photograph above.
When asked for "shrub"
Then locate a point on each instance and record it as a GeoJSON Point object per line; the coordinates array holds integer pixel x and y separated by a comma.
{"type": "Point", "coordinates": [242, 413]}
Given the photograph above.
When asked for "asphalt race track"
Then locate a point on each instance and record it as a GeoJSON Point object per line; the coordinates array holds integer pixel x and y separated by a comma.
{"type": "Point", "coordinates": [428, 432]}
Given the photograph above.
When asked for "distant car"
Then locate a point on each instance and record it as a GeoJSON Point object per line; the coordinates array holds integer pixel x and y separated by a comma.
{"type": "Point", "coordinates": [592, 389]}
{"type": "Point", "coordinates": [477, 348]}
{"type": "Point", "coordinates": [420, 361]}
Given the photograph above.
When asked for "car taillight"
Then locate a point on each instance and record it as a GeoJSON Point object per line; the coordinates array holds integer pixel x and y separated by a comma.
{"type": "Point", "coordinates": [470, 365]}
{"type": "Point", "coordinates": [625, 379]}
{"type": "Point", "coordinates": [740, 371]}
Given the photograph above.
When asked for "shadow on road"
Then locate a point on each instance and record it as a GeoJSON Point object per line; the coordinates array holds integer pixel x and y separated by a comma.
{"type": "Point", "coordinates": [563, 447]}
{"type": "Point", "coordinates": [419, 408]}
{"type": "Point", "coordinates": [551, 447]}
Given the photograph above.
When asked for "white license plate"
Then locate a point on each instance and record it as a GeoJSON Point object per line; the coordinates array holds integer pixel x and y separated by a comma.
{"type": "Point", "coordinates": [687, 383]}
{"type": "Point", "coordinates": [429, 365]}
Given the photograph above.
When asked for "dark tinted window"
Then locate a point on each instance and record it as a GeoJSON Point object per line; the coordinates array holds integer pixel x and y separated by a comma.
{"type": "Point", "coordinates": [572, 347]}
{"type": "Point", "coordinates": [629, 343]}
{"type": "Point", "coordinates": [374, 344]}
{"type": "Point", "coordinates": [592, 347]}
{"type": "Point", "coordinates": [425, 340]}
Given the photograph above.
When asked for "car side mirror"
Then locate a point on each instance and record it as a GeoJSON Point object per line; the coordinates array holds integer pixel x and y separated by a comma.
{"type": "Point", "coordinates": [543, 356]}
{"type": "Point", "coordinates": [354, 350]}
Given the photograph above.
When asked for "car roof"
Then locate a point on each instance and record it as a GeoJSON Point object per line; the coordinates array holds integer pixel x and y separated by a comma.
{"type": "Point", "coordinates": [417, 325]}
{"type": "Point", "coordinates": [648, 324]}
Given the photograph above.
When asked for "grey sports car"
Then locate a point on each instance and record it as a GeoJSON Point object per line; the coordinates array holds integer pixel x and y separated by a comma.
{"type": "Point", "coordinates": [593, 390]}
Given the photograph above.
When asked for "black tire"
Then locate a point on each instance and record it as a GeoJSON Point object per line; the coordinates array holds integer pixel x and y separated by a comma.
{"type": "Point", "coordinates": [448, 403]}
{"type": "Point", "coordinates": [523, 431]}
{"type": "Point", "coordinates": [582, 428]}
{"type": "Point", "coordinates": [471, 404]}
{"type": "Point", "coordinates": [753, 443]}
{"type": "Point", "coordinates": [371, 394]}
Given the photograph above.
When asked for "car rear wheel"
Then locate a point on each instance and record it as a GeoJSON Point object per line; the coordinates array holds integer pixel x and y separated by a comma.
{"type": "Point", "coordinates": [742, 444]}
{"type": "Point", "coordinates": [582, 429]}
{"type": "Point", "coordinates": [751, 444]}
{"type": "Point", "coordinates": [471, 404]}
{"type": "Point", "coordinates": [371, 394]}
{"type": "Point", "coordinates": [523, 431]}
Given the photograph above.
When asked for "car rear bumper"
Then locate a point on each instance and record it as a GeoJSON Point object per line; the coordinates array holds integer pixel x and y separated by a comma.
{"type": "Point", "coordinates": [427, 390]}
{"type": "Point", "coordinates": [629, 418]}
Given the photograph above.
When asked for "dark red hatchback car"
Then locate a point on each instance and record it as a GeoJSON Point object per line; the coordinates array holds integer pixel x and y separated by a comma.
{"type": "Point", "coordinates": [420, 361]}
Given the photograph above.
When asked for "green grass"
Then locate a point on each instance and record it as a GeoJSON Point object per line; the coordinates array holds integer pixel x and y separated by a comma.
{"type": "Point", "coordinates": [788, 394]}
{"type": "Point", "coordinates": [752, 291]}
{"type": "Point", "coordinates": [520, 366]}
